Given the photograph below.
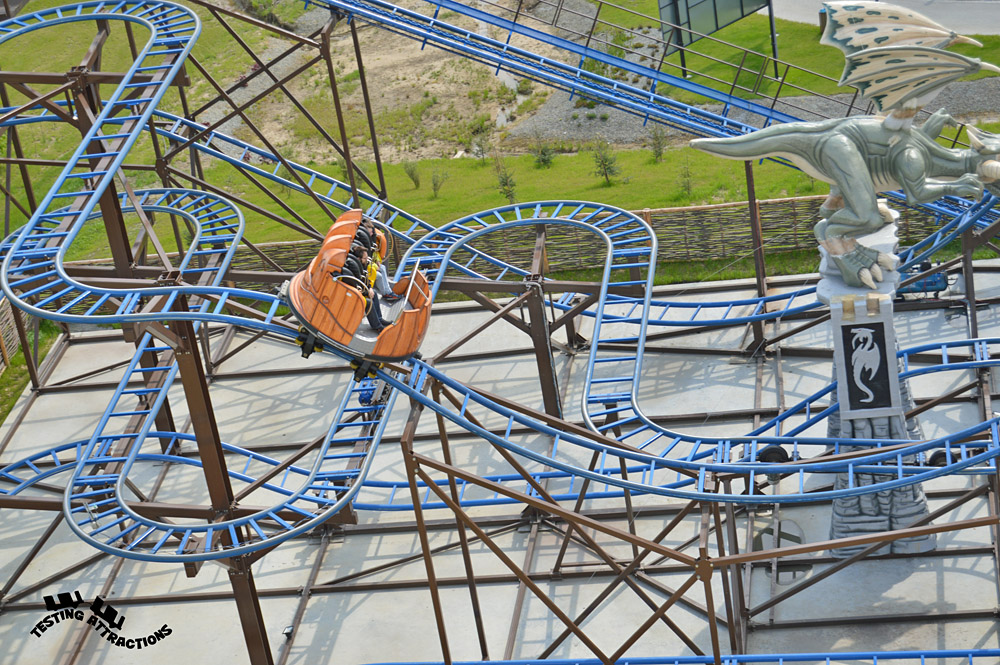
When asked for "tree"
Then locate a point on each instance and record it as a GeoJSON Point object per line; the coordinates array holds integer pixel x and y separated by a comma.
{"type": "Point", "coordinates": [605, 162]}
{"type": "Point", "coordinates": [411, 171]}
{"type": "Point", "coordinates": [505, 179]}
{"type": "Point", "coordinates": [481, 145]}
{"type": "Point", "coordinates": [657, 143]}
{"type": "Point", "coordinates": [437, 179]}
{"type": "Point", "coordinates": [542, 151]}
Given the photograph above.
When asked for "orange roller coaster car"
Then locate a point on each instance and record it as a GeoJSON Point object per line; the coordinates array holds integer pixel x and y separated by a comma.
{"type": "Point", "coordinates": [331, 303]}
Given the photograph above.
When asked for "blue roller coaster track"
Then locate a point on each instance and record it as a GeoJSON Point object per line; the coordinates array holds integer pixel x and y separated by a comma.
{"type": "Point", "coordinates": [655, 460]}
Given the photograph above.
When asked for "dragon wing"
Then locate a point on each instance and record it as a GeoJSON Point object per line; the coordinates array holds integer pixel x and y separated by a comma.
{"type": "Point", "coordinates": [856, 26]}
{"type": "Point", "coordinates": [896, 77]}
{"type": "Point", "coordinates": [894, 55]}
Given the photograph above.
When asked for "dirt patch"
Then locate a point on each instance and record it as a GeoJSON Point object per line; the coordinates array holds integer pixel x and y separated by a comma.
{"type": "Point", "coordinates": [426, 102]}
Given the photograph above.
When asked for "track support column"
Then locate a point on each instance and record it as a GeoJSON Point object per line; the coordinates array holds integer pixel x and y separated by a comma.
{"type": "Point", "coordinates": [206, 431]}
{"type": "Point", "coordinates": [539, 328]}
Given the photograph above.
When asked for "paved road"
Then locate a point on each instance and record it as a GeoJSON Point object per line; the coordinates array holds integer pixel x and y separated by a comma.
{"type": "Point", "coordinates": [965, 16]}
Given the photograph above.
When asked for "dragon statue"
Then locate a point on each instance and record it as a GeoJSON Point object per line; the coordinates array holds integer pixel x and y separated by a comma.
{"type": "Point", "coordinates": [896, 59]}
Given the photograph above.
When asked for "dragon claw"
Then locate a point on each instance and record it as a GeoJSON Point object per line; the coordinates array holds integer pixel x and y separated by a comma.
{"type": "Point", "coordinates": [859, 265]}
{"type": "Point", "coordinates": [887, 261]}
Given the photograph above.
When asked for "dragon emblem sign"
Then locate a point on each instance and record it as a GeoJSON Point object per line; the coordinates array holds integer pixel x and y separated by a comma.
{"type": "Point", "coordinates": [868, 382]}
{"type": "Point", "coordinates": [867, 378]}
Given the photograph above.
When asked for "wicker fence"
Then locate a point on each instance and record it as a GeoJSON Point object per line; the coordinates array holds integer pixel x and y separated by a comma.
{"type": "Point", "coordinates": [9, 344]}
{"type": "Point", "coordinates": [684, 234]}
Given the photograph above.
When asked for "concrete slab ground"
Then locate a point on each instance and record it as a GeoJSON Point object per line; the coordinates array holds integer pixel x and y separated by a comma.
{"type": "Point", "coordinates": [371, 601]}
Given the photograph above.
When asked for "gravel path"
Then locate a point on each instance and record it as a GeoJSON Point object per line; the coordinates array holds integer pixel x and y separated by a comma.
{"type": "Point", "coordinates": [559, 120]}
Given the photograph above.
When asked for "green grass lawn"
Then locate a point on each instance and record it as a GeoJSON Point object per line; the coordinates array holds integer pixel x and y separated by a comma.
{"type": "Point", "coordinates": [15, 378]}
{"type": "Point", "coordinates": [684, 177]}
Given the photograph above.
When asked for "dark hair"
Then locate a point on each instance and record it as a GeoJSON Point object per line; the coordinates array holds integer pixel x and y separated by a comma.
{"type": "Point", "coordinates": [362, 236]}
{"type": "Point", "coordinates": [353, 266]}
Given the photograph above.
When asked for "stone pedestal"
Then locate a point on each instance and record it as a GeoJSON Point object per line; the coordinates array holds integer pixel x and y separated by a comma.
{"type": "Point", "coordinates": [873, 402]}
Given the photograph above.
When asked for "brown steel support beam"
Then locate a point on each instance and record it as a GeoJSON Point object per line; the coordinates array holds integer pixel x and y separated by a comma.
{"type": "Point", "coordinates": [760, 267]}
{"type": "Point", "coordinates": [522, 588]}
{"type": "Point", "coordinates": [42, 97]}
{"type": "Point", "coordinates": [327, 53]}
{"type": "Point", "coordinates": [741, 574]}
{"type": "Point", "coordinates": [14, 142]}
{"type": "Point", "coordinates": [29, 358]}
{"type": "Point", "coordinates": [513, 567]}
{"type": "Point", "coordinates": [495, 307]}
{"type": "Point", "coordinates": [260, 135]}
{"type": "Point", "coordinates": [305, 229]}
{"type": "Point", "coordinates": [622, 574]}
{"type": "Point", "coordinates": [402, 561]}
{"type": "Point", "coordinates": [733, 621]}
{"type": "Point", "coordinates": [300, 610]}
{"type": "Point", "coordinates": [382, 191]}
{"type": "Point", "coordinates": [416, 410]}
{"type": "Point", "coordinates": [703, 570]}
{"type": "Point", "coordinates": [499, 314]}
{"type": "Point", "coordinates": [580, 521]}
{"type": "Point", "coordinates": [57, 78]}
{"type": "Point", "coordinates": [648, 623]}
{"type": "Point", "coordinates": [251, 616]}
{"type": "Point", "coordinates": [30, 556]}
{"type": "Point", "coordinates": [876, 619]}
{"type": "Point", "coordinates": [541, 339]}
{"type": "Point", "coordinates": [53, 108]}
{"type": "Point", "coordinates": [220, 491]}
{"type": "Point", "coordinates": [54, 577]}
{"type": "Point", "coordinates": [818, 576]}
{"type": "Point", "coordinates": [87, 104]}
{"type": "Point", "coordinates": [462, 536]}
{"type": "Point", "coordinates": [970, 281]}
{"type": "Point", "coordinates": [883, 538]}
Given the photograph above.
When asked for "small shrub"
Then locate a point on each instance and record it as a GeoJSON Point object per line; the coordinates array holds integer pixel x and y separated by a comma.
{"type": "Point", "coordinates": [524, 87]}
{"type": "Point", "coordinates": [505, 179]}
{"type": "Point", "coordinates": [481, 146]}
{"type": "Point", "coordinates": [506, 95]}
{"type": "Point", "coordinates": [543, 153]}
{"type": "Point", "coordinates": [657, 143]}
{"type": "Point", "coordinates": [605, 162]}
{"type": "Point", "coordinates": [604, 117]}
{"type": "Point", "coordinates": [575, 116]}
{"type": "Point", "coordinates": [591, 115]}
{"type": "Point", "coordinates": [410, 168]}
{"type": "Point", "coordinates": [686, 175]}
{"type": "Point", "coordinates": [437, 179]}
{"type": "Point", "coordinates": [595, 67]}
